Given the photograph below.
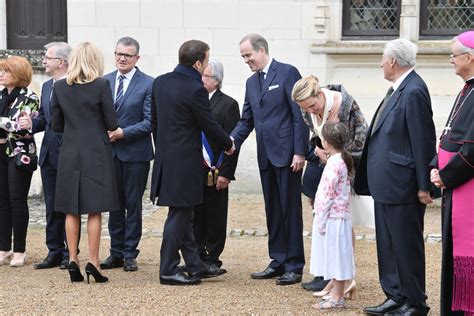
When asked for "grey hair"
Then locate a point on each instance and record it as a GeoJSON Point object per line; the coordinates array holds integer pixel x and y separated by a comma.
{"type": "Point", "coordinates": [403, 51]}
{"type": "Point", "coordinates": [257, 41]}
{"type": "Point", "coordinates": [61, 49]}
{"type": "Point", "coordinates": [464, 48]}
{"type": "Point", "coordinates": [128, 41]}
{"type": "Point", "coordinates": [217, 71]}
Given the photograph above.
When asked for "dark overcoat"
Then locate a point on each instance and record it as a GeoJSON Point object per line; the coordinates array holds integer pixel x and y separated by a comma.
{"type": "Point", "coordinates": [86, 179]}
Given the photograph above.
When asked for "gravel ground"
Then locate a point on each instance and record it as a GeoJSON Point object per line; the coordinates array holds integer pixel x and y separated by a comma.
{"type": "Point", "coordinates": [28, 291]}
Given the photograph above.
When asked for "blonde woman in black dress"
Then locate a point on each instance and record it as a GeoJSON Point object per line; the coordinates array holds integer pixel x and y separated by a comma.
{"type": "Point", "coordinates": [83, 110]}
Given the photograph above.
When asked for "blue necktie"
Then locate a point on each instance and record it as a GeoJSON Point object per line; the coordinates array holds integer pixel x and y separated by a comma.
{"type": "Point", "coordinates": [119, 94]}
{"type": "Point", "coordinates": [261, 77]}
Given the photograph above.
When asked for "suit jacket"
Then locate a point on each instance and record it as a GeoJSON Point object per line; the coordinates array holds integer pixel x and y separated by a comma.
{"type": "Point", "coordinates": [180, 111]}
{"type": "Point", "coordinates": [227, 113]}
{"type": "Point", "coordinates": [86, 178]}
{"type": "Point", "coordinates": [281, 131]}
{"type": "Point", "coordinates": [51, 140]}
{"type": "Point", "coordinates": [395, 159]}
{"type": "Point", "coordinates": [134, 117]}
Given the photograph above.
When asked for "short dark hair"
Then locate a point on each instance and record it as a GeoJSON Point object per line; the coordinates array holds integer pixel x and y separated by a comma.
{"type": "Point", "coordinates": [128, 41]}
{"type": "Point", "coordinates": [192, 51]}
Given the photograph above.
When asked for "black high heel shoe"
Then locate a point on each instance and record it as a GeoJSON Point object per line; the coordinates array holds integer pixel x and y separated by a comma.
{"type": "Point", "coordinates": [75, 272]}
{"type": "Point", "coordinates": [91, 269]}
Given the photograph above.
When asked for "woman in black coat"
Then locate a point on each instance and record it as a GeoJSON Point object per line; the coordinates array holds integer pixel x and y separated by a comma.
{"type": "Point", "coordinates": [83, 110]}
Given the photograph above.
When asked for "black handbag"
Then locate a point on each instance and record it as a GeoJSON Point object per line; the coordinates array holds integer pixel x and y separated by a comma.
{"type": "Point", "coordinates": [26, 161]}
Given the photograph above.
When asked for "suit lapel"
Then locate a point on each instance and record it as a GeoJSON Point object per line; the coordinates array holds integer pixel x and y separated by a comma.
{"type": "Point", "coordinates": [216, 97]}
{"type": "Point", "coordinates": [46, 99]}
{"type": "Point", "coordinates": [132, 84]}
{"type": "Point", "coordinates": [393, 101]}
{"type": "Point", "coordinates": [268, 80]}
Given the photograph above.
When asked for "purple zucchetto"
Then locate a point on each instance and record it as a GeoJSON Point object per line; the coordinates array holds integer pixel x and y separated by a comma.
{"type": "Point", "coordinates": [467, 39]}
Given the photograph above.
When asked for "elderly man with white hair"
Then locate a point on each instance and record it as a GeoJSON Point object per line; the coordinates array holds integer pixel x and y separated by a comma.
{"type": "Point", "coordinates": [210, 217]}
{"type": "Point", "coordinates": [394, 170]}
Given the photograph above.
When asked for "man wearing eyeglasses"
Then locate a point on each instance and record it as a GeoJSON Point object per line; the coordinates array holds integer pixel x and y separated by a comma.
{"type": "Point", "coordinates": [132, 150]}
{"type": "Point", "coordinates": [55, 65]}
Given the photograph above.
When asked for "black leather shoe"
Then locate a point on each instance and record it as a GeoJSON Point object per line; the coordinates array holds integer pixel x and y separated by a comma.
{"type": "Point", "coordinates": [387, 306]}
{"type": "Point", "coordinates": [179, 279]}
{"type": "Point", "coordinates": [289, 278]}
{"type": "Point", "coordinates": [316, 285]}
{"type": "Point", "coordinates": [409, 310]}
{"type": "Point", "coordinates": [111, 263]}
{"type": "Point", "coordinates": [208, 271]}
{"type": "Point", "coordinates": [64, 263]}
{"type": "Point", "coordinates": [48, 262]}
{"type": "Point", "coordinates": [268, 273]}
{"type": "Point", "coordinates": [130, 265]}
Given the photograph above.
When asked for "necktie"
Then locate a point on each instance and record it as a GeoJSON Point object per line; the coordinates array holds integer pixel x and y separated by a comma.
{"type": "Point", "coordinates": [261, 77]}
{"type": "Point", "coordinates": [119, 94]}
{"type": "Point", "coordinates": [382, 107]}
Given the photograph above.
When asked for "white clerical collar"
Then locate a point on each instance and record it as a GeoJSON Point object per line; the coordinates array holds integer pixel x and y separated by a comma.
{"type": "Point", "coordinates": [400, 80]}
{"type": "Point", "coordinates": [211, 94]}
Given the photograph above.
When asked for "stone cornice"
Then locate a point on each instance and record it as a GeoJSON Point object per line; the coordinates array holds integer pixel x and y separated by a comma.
{"type": "Point", "coordinates": [35, 57]}
{"type": "Point", "coordinates": [376, 47]}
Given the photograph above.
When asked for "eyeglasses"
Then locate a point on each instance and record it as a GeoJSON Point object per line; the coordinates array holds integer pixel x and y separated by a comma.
{"type": "Point", "coordinates": [51, 58]}
{"type": "Point", "coordinates": [126, 56]}
{"type": "Point", "coordinates": [452, 56]}
{"type": "Point", "coordinates": [207, 76]}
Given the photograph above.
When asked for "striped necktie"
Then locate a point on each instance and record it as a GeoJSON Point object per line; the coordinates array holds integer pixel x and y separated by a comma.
{"type": "Point", "coordinates": [382, 107]}
{"type": "Point", "coordinates": [119, 94]}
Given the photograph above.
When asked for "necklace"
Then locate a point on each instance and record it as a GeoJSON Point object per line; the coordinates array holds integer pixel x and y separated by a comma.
{"type": "Point", "coordinates": [457, 108]}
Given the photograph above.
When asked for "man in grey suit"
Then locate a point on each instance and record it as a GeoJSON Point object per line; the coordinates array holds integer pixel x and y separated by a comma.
{"type": "Point", "coordinates": [132, 150]}
{"type": "Point", "coordinates": [394, 170]}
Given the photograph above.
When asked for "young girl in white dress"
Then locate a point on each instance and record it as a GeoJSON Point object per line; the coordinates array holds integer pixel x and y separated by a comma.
{"type": "Point", "coordinates": [331, 251]}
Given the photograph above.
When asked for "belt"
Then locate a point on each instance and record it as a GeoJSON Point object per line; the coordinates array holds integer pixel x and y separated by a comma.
{"type": "Point", "coordinates": [3, 140]}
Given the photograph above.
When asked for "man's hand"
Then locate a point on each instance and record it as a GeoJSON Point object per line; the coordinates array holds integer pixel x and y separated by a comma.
{"type": "Point", "coordinates": [298, 163]}
{"type": "Point", "coordinates": [222, 183]}
{"type": "Point", "coordinates": [116, 135]}
{"type": "Point", "coordinates": [322, 154]}
{"type": "Point", "coordinates": [436, 179]}
{"type": "Point", "coordinates": [25, 121]}
{"type": "Point", "coordinates": [424, 197]}
{"type": "Point", "coordinates": [232, 149]}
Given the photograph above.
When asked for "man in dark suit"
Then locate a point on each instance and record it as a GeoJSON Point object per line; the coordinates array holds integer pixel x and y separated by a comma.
{"type": "Point", "coordinates": [55, 65]}
{"type": "Point", "coordinates": [282, 142]}
{"type": "Point", "coordinates": [394, 170]}
{"type": "Point", "coordinates": [132, 151]}
{"type": "Point", "coordinates": [210, 217]}
{"type": "Point", "coordinates": [180, 111]}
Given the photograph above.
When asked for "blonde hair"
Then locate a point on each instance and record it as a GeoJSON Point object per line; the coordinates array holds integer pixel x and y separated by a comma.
{"type": "Point", "coordinates": [86, 63]}
{"type": "Point", "coordinates": [305, 88]}
{"type": "Point", "coordinates": [19, 68]}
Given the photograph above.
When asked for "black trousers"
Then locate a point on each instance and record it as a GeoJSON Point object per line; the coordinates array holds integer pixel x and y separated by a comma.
{"type": "Point", "coordinates": [14, 212]}
{"type": "Point", "coordinates": [210, 224]}
{"type": "Point", "coordinates": [178, 236]}
{"type": "Point", "coordinates": [282, 195]}
{"type": "Point", "coordinates": [401, 251]}
{"type": "Point", "coordinates": [55, 221]}
{"type": "Point", "coordinates": [125, 225]}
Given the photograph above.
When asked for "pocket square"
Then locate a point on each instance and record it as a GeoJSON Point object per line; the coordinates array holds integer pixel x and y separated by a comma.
{"type": "Point", "coordinates": [270, 88]}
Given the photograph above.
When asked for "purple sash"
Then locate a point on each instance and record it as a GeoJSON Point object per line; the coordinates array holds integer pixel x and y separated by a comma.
{"type": "Point", "coordinates": [463, 240]}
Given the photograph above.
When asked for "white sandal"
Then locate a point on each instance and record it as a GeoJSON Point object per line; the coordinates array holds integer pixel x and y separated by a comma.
{"type": "Point", "coordinates": [329, 304]}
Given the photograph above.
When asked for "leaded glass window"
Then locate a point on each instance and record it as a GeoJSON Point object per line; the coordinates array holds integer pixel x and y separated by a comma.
{"type": "Point", "coordinates": [371, 18]}
{"type": "Point", "coordinates": [446, 17]}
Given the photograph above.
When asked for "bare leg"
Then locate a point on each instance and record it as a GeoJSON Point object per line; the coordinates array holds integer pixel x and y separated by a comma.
{"type": "Point", "coordinates": [94, 227]}
{"type": "Point", "coordinates": [73, 223]}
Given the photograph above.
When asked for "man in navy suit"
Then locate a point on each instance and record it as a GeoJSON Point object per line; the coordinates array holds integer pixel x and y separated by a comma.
{"type": "Point", "coordinates": [55, 65]}
{"type": "Point", "coordinates": [282, 142]}
{"type": "Point", "coordinates": [180, 111]}
{"type": "Point", "coordinates": [132, 151]}
{"type": "Point", "coordinates": [394, 170]}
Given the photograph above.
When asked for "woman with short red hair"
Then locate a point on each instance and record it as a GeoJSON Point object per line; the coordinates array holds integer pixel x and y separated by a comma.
{"type": "Point", "coordinates": [17, 157]}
